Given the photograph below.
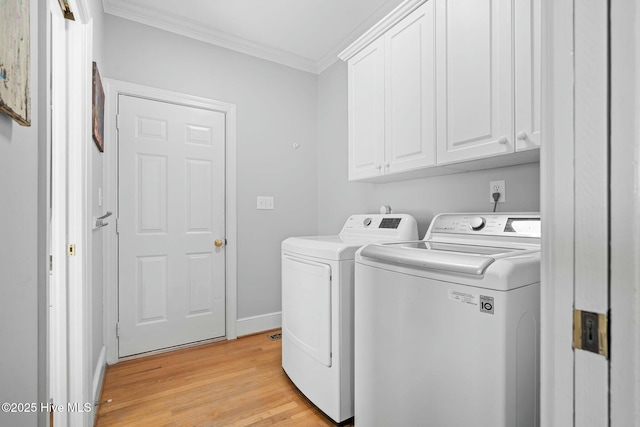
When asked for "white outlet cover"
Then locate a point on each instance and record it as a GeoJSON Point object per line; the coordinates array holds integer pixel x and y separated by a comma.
{"type": "Point", "coordinates": [502, 189]}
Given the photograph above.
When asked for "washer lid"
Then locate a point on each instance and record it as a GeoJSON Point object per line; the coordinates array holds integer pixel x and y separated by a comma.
{"type": "Point", "coordinates": [458, 258]}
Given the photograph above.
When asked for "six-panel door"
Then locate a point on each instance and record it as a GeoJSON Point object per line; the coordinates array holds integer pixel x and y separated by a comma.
{"type": "Point", "coordinates": [171, 210]}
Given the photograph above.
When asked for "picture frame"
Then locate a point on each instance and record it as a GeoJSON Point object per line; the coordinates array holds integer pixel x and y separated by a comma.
{"type": "Point", "coordinates": [97, 110]}
{"type": "Point", "coordinates": [15, 61]}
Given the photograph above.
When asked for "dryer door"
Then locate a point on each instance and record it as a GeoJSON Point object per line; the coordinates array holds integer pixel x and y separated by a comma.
{"type": "Point", "coordinates": [306, 306]}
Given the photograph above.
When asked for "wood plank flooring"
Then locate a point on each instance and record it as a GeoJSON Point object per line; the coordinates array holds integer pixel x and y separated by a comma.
{"type": "Point", "coordinates": [229, 383]}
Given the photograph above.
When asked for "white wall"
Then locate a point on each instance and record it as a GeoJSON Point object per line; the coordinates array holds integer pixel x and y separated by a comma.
{"type": "Point", "coordinates": [23, 263]}
{"type": "Point", "coordinates": [423, 198]}
{"type": "Point", "coordinates": [276, 107]}
{"type": "Point", "coordinates": [337, 198]}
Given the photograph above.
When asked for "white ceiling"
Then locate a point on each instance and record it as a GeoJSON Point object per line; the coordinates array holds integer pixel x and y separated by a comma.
{"type": "Point", "coordinates": [304, 34]}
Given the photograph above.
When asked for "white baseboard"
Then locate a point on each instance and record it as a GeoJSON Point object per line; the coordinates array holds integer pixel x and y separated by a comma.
{"type": "Point", "coordinates": [98, 375]}
{"type": "Point", "coordinates": [255, 324]}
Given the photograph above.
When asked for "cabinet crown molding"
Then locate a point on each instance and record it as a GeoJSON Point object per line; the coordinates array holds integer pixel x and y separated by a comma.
{"type": "Point", "coordinates": [395, 16]}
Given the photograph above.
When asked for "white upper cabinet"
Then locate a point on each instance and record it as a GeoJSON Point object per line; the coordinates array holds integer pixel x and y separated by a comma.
{"type": "Point", "coordinates": [366, 112]}
{"type": "Point", "coordinates": [392, 99]}
{"type": "Point", "coordinates": [488, 78]}
{"type": "Point", "coordinates": [527, 78]}
{"type": "Point", "coordinates": [443, 86]}
{"type": "Point", "coordinates": [410, 127]}
{"type": "Point", "coordinates": [474, 79]}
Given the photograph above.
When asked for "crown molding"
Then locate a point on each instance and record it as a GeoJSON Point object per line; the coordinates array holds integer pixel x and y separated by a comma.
{"type": "Point", "coordinates": [395, 16]}
{"type": "Point", "coordinates": [332, 56]}
{"type": "Point", "coordinates": [195, 30]}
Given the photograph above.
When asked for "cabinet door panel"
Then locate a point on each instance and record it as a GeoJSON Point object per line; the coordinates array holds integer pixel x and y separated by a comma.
{"type": "Point", "coordinates": [410, 92]}
{"type": "Point", "coordinates": [474, 79]}
{"type": "Point", "coordinates": [527, 78]}
{"type": "Point", "coordinates": [366, 112]}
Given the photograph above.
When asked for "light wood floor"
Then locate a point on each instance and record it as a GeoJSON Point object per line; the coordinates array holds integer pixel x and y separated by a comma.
{"type": "Point", "coordinates": [230, 383]}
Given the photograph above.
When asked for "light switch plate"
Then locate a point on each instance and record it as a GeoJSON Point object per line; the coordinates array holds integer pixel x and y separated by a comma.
{"type": "Point", "coordinates": [265, 203]}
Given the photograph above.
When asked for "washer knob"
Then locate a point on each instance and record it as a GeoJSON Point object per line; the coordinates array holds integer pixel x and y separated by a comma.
{"type": "Point", "coordinates": [367, 222]}
{"type": "Point", "coordinates": [477, 223]}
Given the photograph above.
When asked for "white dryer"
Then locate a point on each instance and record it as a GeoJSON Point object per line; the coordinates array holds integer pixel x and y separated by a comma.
{"type": "Point", "coordinates": [317, 307]}
{"type": "Point", "coordinates": [447, 328]}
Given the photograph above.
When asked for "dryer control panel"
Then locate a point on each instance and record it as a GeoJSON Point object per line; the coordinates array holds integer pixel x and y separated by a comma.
{"type": "Point", "coordinates": [396, 226]}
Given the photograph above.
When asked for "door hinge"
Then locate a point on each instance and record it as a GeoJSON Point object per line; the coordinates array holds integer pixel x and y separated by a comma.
{"type": "Point", "coordinates": [117, 330]}
{"type": "Point", "coordinates": [66, 10]}
{"type": "Point", "coordinates": [51, 417]}
{"type": "Point", "coordinates": [117, 226]}
{"type": "Point", "coordinates": [591, 332]}
{"type": "Point", "coordinates": [117, 121]}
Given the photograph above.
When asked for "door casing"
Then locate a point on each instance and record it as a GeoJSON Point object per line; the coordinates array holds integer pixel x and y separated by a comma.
{"type": "Point", "coordinates": [113, 88]}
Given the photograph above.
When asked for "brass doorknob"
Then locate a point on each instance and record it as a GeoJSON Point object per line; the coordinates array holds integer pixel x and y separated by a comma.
{"type": "Point", "coordinates": [218, 243]}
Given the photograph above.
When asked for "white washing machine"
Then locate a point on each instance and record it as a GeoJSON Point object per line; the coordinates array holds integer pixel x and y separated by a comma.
{"type": "Point", "coordinates": [447, 328]}
{"type": "Point", "coordinates": [317, 307]}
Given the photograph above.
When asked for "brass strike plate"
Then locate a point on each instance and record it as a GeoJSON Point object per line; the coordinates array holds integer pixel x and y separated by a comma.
{"type": "Point", "coordinates": [591, 332]}
{"type": "Point", "coordinates": [71, 250]}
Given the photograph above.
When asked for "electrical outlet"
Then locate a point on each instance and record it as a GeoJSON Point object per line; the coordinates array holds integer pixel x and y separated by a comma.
{"type": "Point", "coordinates": [498, 187]}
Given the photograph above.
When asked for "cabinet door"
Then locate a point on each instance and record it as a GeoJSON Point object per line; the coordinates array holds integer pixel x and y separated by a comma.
{"type": "Point", "coordinates": [410, 132]}
{"type": "Point", "coordinates": [527, 78]}
{"type": "Point", "coordinates": [366, 111]}
{"type": "Point", "coordinates": [474, 79]}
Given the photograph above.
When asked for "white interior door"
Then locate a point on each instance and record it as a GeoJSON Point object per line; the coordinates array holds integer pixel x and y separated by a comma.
{"type": "Point", "coordinates": [171, 210]}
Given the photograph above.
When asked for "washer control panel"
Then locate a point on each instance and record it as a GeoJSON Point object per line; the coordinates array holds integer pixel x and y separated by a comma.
{"type": "Point", "coordinates": [477, 223]}
{"type": "Point", "coordinates": [515, 224]}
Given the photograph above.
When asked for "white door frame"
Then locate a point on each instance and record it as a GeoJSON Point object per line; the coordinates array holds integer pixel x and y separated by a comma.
{"type": "Point", "coordinates": [625, 213]}
{"type": "Point", "coordinates": [556, 208]}
{"type": "Point", "coordinates": [558, 370]}
{"type": "Point", "coordinates": [69, 348]}
{"type": "Point", "coordinates": [113, 88]}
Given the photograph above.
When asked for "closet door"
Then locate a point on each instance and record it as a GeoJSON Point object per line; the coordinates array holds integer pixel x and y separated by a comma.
{"type": "Point", "coordinates": [474, 79]}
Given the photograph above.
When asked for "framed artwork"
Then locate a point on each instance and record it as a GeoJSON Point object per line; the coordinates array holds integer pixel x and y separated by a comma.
{"type": "Point", "coordinates": [15, 91]}
{"type": "Point", "coordinates": [97, 111]}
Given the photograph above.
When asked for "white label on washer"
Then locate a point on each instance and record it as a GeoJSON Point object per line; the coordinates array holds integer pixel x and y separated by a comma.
{"type": "Point", "coordinates": [463, 297]}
